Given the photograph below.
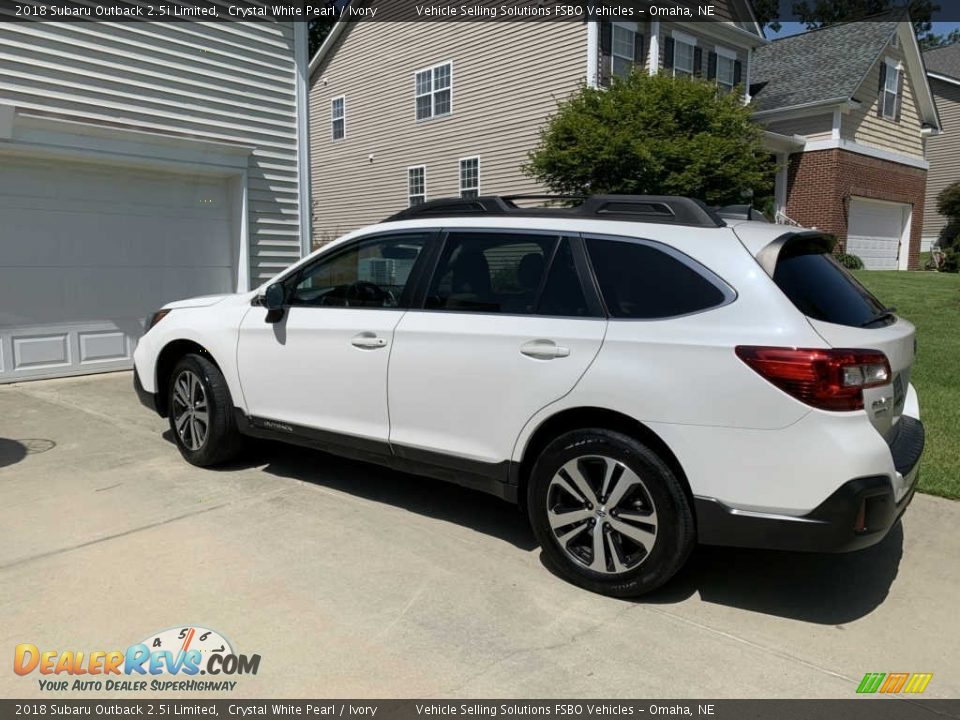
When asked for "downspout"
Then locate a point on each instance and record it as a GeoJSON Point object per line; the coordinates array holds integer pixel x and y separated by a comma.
{"type": "Point", "coordinates": [653, 59]}
{"type": "Point", "coordinates": [593, 52]}
{"type": "Point", "coordinates": [301, 47]}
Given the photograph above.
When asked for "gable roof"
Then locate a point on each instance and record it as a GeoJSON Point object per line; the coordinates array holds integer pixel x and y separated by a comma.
{"type": "Point", "coordinates": [822, 66]}
{"type": "Point", "coordinates": [943, 61]}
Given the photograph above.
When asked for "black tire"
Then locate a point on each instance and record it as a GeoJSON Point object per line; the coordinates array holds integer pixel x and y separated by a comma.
{"type": "Point", "coordinates": [221, 441]}
{"type": "Point", "coordinates": [640, 570]}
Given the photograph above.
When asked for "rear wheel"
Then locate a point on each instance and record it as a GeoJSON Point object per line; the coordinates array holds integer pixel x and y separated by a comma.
{"type": "Point", "coordinates": [610, 515]}
{"type": "Point", "coordinates": [201, 412]}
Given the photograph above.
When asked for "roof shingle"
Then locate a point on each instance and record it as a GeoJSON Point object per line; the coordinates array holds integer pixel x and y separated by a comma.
{"type": "Point", "coordinates": [944, 60]}
{"type": "Point", "coordinates": [820, 65]}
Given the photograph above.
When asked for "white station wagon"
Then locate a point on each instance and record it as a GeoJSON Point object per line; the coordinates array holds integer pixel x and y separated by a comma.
{"type": "Point", "coordinates": [637, 372]}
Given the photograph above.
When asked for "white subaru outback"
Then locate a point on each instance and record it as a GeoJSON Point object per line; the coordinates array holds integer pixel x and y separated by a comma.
{"type": "Point", "coordinates": [637, 372]}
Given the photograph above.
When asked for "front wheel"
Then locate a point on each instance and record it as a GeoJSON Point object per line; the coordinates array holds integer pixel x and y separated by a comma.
{"type": "Point", "coordinates": [610, 514]}
{"type": "Point", "coordinates": [201, 412]}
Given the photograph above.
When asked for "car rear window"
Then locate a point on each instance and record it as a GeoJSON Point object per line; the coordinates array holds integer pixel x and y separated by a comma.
{"type": "Point", "coordinates": [823, 289]}
{"type": "Point", "coordinates": [642, 282]}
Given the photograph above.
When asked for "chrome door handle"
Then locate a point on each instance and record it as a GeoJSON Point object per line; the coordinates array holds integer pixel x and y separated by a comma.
{"type": "Point", "coordinates": [368, 341]}
{"type": "Point", "coordinates": [544, 350]}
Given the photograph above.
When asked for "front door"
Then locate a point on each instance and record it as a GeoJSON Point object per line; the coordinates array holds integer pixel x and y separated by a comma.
{"type": "Point", "coordinates": [323, 366]}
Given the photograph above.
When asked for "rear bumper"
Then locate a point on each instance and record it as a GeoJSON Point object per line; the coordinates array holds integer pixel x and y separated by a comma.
{"type": "Point", "coordinates": [147, 399]}
{"type": "Point", "coordinates": [857, 515]}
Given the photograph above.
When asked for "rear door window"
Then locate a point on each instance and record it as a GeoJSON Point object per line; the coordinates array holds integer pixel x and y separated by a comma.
{"type": "Point", "coordinates": [824, 290]}
{"type": "Point", "coordinates": [639, 280]}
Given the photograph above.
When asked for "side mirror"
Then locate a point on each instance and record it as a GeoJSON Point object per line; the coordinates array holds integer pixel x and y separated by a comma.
{"type": "Point", "coordinates": [273, 297]}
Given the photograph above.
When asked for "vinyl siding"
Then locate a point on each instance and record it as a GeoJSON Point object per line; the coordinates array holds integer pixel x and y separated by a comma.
{"type": "Point", "coordinates": [507, 79]}
{"type": "Point", "coordinates": [865, 126]}
{"type": "Point", "coordinates": [943, 153]}
{"type": "Point", "coordinates": [813, 127]}
{"type": "Point", "coordinates": [222, 81]}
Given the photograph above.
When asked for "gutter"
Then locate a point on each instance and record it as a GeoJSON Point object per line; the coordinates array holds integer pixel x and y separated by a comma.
{"type": "Point", "coordinates": [846, 101]}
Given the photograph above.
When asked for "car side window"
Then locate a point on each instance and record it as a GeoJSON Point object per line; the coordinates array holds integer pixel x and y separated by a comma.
{"type": "Point", "coordinates": [562, 293]}
{"type": "Point", "coordinates": [490, 272]}
{"type": "Point", "coordinates": [640, 281]}
{"type": "Point", "coordinates": [371, 273]}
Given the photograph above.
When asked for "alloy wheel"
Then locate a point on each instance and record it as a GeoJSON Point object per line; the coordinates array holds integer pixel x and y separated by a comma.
{"type": "Point", "coordinates": [190, 412]}
{"type": "Point", "coordinates": [601, 514]}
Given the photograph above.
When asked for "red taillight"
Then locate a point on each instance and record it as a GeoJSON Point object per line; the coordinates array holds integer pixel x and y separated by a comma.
{"type": "Point", "coordinates": [826, 379]}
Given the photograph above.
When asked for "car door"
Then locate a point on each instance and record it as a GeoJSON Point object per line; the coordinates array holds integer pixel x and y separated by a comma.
{"type": "Point", "coordinates": [323, 364]}
{"type": "Point", "coordinates": [508, 325]}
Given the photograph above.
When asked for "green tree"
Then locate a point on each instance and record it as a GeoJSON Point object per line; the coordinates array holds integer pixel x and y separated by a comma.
{"type": "Point", "coordinates": [653, 134]}
{"type": "Point", "coordinates": [948, 204]}
{"type": "Point", "coordinates": [767, 13]}
{"type": "Point", "coordinates": [931, 40]}
{"type": "Point", "coordinates": [817, 13]}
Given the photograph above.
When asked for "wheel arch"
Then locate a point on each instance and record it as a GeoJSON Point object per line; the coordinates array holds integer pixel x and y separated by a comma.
{"type": "Point", "coordinates": [167, 359]}
{"type": "Point", "coordinates": [579, 418]}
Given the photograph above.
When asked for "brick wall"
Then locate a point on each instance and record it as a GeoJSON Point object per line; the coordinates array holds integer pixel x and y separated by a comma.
{"type": "Point", "coordinates": [820, 185]}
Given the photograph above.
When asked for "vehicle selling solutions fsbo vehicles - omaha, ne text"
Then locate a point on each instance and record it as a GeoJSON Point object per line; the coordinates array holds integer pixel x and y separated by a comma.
{"type": "Point", "coordinates": [638, 372]}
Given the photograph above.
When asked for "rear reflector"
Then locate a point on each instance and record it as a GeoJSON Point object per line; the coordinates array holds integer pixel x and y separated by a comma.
{"type": "Point", "coordinates": [826, 379]}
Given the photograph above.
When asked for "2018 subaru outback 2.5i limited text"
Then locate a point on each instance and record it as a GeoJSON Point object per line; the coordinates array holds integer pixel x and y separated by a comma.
{"type": "Point", "coordinates": [637, 372]}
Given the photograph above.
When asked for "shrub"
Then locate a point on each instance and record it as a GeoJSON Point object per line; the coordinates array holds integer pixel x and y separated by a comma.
{"type": "Point", "coordinates": [654, 134]}
{"type": "Point", "coordinates": [850, 261]}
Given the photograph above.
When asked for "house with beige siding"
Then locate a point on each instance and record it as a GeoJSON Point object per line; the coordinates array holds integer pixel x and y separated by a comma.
{"type": "Point", "coordinates": [849, 113]}
{"type": "Point", "coordinates": [943, 151]}
{"type": "Point", "coordinates": [140, 163]}
{"type": "Point", "coordinates": [403, 112]}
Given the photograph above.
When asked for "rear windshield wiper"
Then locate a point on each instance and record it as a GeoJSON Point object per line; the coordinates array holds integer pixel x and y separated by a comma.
{"type": "Point", "coordinates": [881, 314]}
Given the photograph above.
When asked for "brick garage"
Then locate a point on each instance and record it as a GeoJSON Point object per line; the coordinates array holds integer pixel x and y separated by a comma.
{"type": "Point", "coordinates": [820, 185]}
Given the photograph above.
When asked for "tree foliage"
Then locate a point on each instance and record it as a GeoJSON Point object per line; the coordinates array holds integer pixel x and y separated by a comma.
{"type": "Point", "coordinates": [948, 204]}
{"type": "Point", "coordinates": [653, 134]}
{"type": "Point", "coordinates": [318, 31]}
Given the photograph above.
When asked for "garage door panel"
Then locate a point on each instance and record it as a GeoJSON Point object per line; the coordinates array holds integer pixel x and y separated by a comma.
{"type": "Point", "coordinates": [875, 230]}
{"type": "Point", "coordinates": [86, 253]}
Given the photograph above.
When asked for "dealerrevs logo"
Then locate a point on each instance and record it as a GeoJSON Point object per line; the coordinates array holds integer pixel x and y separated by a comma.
{"type": "Point", "coordinates": [170, 660]}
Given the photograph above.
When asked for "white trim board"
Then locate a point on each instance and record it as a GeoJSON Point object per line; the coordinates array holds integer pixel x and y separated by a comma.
{"type": "Point", "coordinates": [859, 149]}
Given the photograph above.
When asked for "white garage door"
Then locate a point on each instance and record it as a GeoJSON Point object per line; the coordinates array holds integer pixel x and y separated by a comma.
{"type": "Point", "coordinates": [875, 232]}
{"type": "Point", "coordinates": [87, 251]}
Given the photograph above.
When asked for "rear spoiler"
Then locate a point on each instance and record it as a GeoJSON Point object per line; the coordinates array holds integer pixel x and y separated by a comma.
{"type": "Point", "coordinates": [798, 242]}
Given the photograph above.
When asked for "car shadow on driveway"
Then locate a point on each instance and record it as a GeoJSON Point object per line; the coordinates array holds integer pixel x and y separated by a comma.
{"type": "Point", "coordinates": [11, 451]}
{"type": "Point", "coordinates": [421, 495]}
{"type": "Point", "coordinates": [826, 589]}
{"type": "Point", "coordinates": [809, 587]}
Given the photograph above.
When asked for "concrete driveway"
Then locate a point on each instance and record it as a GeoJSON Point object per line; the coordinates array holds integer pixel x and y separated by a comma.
{"type": "Point", "coordinates": [353, 581]}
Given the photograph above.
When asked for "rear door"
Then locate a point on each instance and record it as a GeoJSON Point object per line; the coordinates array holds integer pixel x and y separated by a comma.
{"type": "Point", "coordinates": [507, 326]}
{"type": "Point", "coordinates": [847, 315]}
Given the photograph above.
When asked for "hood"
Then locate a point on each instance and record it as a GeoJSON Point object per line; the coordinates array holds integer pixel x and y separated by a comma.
{"type": "Point", "coordinates": [202, 301]}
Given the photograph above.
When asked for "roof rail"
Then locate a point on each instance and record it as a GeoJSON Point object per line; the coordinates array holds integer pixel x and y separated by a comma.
{"type": "Point", "coordinates": [665, 209]}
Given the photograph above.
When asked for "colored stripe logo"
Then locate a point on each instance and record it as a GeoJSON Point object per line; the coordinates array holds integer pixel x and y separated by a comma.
{"type": "Point", "coordinates": [893, 683]}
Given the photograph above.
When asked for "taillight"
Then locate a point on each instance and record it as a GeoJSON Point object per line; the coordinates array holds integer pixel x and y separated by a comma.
{"type": "Point", "coordinates": [826, 379]}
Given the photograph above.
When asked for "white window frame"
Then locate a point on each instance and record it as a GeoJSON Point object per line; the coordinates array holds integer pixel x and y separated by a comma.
{"type": "Point", "coordinates": [630, 27]}
{"type": "Point", "coordinates": [894, 68]}
{"type": "Point", "coordinates": [423, 178]}
{"type": "Point", "coordinates": [342, 118]}
{"type": "Point", "coordinates": [460, 173]}
{"type": "Point", "coordinates": [684, 39]}
{"type": "Point", "coordinates": [432, 93]}
{"type": "Point", "coordinates": [731, 55]}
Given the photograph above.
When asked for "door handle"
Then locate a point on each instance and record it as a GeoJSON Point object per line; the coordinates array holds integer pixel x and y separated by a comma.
{"type": "Point", "coordinates": [368, 341]}
{"type": "Point", "coordinates": [544, 350]}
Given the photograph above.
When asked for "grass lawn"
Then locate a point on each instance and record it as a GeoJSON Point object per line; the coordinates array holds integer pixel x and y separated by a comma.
{"type": "Point", "coordinates": [931, 301]}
